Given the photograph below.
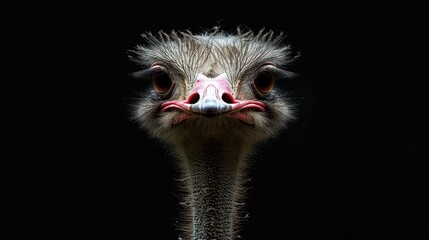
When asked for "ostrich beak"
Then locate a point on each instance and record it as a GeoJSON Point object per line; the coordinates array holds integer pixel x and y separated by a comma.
{"type": "Point", "coordinates": [212, 97]}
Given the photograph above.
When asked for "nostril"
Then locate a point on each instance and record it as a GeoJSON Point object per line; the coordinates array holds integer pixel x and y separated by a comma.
{"type": "Point", "coordinates": [228, 98]}
{"type": "Point", "coordinates": [194, 98]}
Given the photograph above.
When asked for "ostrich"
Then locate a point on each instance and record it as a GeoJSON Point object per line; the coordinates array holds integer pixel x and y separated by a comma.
{"type": "Point", "coordinates": [213, 99]}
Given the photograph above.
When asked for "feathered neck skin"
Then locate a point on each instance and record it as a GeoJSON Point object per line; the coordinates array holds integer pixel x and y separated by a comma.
{"type": "Point", "coordinates": [215, 96]}
{"type": "Point", "coordinates": [214, 168]}
{"type": "Point", "coordinates": [215, 172]}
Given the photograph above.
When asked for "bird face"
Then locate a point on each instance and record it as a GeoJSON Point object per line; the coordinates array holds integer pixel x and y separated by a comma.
{"type": "Point", "coordinates": [212, 97]}
{"type": "Point", "coordinates": [215, 85]}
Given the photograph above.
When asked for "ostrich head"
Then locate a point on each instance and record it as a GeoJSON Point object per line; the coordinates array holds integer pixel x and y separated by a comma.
{"type": "Point", "coordinates": [214, 96]}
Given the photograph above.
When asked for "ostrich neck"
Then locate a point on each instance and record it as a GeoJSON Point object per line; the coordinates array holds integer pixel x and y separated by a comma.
{"type": "Point", "coordinates": [214, 172]}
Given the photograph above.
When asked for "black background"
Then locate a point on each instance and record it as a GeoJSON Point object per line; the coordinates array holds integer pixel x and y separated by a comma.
{"type": "Point", "coordinates": [353, 166]}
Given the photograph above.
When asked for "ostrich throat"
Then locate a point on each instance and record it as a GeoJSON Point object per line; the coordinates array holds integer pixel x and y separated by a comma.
{"type": "Point", "coordinates": [214, 170]}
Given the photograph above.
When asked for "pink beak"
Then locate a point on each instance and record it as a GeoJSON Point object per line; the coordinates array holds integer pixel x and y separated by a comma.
{"type": "Point", "coordinates": [213, 97]}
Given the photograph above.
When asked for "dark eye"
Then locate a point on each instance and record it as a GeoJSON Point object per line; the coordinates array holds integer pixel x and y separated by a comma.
{"type": "Point", "coordinates": [264, 82]}
{"type": "Point", "coordinates": [161, 81]}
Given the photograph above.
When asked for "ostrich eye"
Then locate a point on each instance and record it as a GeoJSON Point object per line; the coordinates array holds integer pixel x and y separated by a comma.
{"type": "Point", "coordinates": [161, 81]}
{"type": "Point", "coordinates": [264, 82]}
